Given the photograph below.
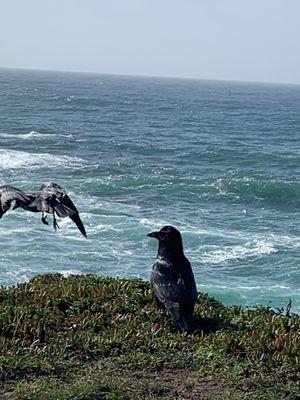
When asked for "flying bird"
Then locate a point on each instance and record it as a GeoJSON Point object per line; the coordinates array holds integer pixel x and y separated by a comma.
{"type": "Point", "coordinates": [50, 199]}
{"type": "Point", "coordinates": [53, 199]}
{"type": "Point", "coordinates": [172, 279]}
{"type": "Point", "coordinates": [12, 198]}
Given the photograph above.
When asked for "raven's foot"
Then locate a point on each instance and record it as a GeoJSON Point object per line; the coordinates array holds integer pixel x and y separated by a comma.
{"type": "Point", "coordinates": [44, 220]}
{"type": "Point", "coordinates": [55, 225]}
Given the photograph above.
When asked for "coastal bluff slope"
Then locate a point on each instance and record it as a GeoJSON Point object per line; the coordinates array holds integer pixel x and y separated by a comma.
{"type": "Point", "coordinates": [88, 337]}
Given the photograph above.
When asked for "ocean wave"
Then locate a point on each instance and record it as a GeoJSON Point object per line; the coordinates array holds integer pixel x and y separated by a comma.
{"type": "Point", "coordinates": [69, 272]}
{"type": "Point", "coordinates": [15, 231]}
{"type": "Point", "coordinates": [250, 288]}
{"type": "Point", "coordinates": [32, 135]}
{"type": "Point", "coordinates": [153, 224]}
{"type": "Point", "coordinates": [220, 256]}
{"type": "Point", "coordinates": [284, 240]}
{"type": "Point", "coordinates": [14, 159]}
{"type": "Point", "coordinates": [277, 192]}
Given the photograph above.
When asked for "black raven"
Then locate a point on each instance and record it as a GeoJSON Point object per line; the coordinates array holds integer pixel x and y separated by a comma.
{"type": "Point", "coordinates": [172, 278]}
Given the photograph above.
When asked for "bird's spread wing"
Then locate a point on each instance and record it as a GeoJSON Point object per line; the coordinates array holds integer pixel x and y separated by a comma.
{"type": "Point", "coordinates": [60, 209]}
{"type": "Point", "coordinates": [77, 220]}
{"type": "Point", "coordinates": [10, 194]}
{"type": "Point", "coordinates": [67, 202]}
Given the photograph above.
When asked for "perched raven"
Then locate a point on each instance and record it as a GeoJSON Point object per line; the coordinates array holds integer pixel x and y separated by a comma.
{"type": "Point", "coordinates": [172, 278]}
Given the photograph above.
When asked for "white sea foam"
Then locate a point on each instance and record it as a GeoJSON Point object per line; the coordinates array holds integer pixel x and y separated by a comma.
{"type": "Point", "coordinates": [104, 228]}
{"type": "Point", "coordinates": [15, 231]}
{"type": "Point", "coordinates": [13, 159]}
{"type": "Point", "coordinates": [219, 256]}
{"type": "Point", "coordinates": [31, 135]}
{"type": "Point", "coordinates": [15, 273]}
{"type": "Point", "coordinates": [284, 240]}
{"type": "Point", "coordinates": [153, 224]}
{"type": "Point", "coordinates": [69, 272]}
{"type": "Point", "coordinates": [250, 288]}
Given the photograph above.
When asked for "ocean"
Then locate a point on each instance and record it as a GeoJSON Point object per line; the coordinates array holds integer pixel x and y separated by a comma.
{"type": "Point", "coordinates": [218, 160]}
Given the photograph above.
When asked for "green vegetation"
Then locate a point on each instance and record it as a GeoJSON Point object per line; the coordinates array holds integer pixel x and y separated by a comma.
{"type": "Point", "coordinates": [89, 337]}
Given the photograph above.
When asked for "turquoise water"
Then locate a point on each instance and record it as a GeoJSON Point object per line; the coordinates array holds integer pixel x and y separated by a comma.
{"type": "Point", "coordinates": [219, 160]}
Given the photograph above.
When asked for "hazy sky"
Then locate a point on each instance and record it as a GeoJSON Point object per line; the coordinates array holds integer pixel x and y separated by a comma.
{"type": "Point", "coordinates": [255, 40]}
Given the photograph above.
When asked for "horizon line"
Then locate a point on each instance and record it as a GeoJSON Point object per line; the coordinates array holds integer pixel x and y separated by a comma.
{"type": "Point", "coordinates": [150, 76]}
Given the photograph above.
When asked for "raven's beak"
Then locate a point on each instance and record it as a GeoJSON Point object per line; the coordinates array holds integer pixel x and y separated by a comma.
{"type": "Point", "coordinates": [153, 234]}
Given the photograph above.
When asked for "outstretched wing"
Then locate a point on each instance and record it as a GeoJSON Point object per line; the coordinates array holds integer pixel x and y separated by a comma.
{"type": "Point", "coordinates": [9, 195]}
{"type": "Point", "coordinates": [77, 220]}
{"type": "Point", "coordinates": [67, 202]}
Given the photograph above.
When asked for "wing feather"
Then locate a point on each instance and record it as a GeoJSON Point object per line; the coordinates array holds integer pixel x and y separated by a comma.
{"type": "Point", "coordinates": [8, 194]}
{"type": "Point", "coordinates": [170, 289]}
{"type": "Point", "coordinates": [167, 284]}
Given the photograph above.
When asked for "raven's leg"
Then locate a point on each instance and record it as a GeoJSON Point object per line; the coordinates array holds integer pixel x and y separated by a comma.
{"type": "Point", "coordinates": [178, 320]}
{"type": "Point", "coordinates": [44, 219]}
{"type": "Point", "coordinates": [55, 224]}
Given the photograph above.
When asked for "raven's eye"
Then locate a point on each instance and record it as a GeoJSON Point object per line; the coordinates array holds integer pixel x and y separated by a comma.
{"type": "Point", "coordinates": [163, 236]}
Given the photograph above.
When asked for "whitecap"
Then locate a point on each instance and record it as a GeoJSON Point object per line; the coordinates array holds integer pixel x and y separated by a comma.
{"type": "Point", "coordinates": [15, 231]}
{"type": "Point", "coordinates": [284, 240]}
{"type": "Point", "coordinates": [103, 228]}
{"type": "Point", "coordinates": [14, 159]}
{"type": "Point", "coordinates": [152, 224]}
{"type": "Point", "coordinates": [250, 288]}
{"type": "Point", "coordinates": [33, 135]}
{"type": "Point", "coordinates": [220, 256]}
{"type": "Point", "coordinates": [69, 272]}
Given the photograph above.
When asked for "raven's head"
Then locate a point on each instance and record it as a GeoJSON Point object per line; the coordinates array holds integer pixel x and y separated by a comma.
{"type": "Point", "coordinates": [169, 239]}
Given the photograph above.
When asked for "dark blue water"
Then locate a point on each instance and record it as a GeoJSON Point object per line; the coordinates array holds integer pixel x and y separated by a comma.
{"type": "Point", "coordinates": [219, 160]}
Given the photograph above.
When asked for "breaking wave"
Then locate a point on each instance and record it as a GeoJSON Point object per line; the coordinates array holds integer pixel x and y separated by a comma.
{"type": "Point", "coordinates": [14, 159]}
{"type": "Point", "coordinates": [216, 255]}
{"type": "Point", "coordinates": [32, 135]}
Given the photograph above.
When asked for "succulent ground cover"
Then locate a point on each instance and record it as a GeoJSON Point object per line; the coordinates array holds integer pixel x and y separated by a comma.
{"type": "Point", "coordinates": [89, 337]}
